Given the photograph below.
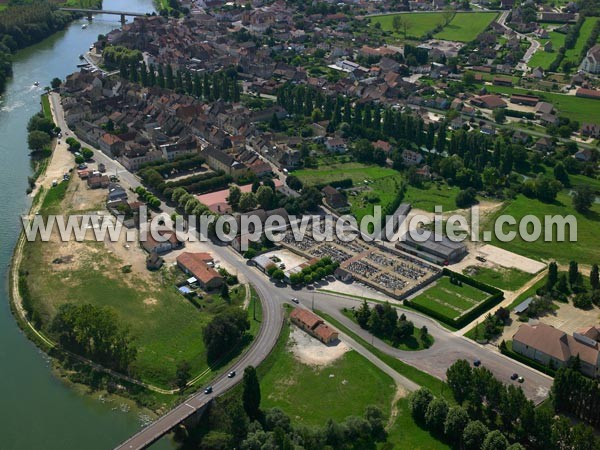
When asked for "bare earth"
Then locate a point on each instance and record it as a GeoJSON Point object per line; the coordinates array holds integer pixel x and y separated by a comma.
{"type": "Point", "coordinates": [312, 352]}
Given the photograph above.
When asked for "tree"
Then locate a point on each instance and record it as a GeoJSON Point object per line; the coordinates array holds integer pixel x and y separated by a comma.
{"type": "Point", "coordinates": [224, 332]}
{"type": "Point", "coordinates": [38, 140]}
{"type": "Point", "coordinates": [275, 125]}
{"type": "Point", "coordinates": [216, 440]}
{"type": "Point", "coordinates": [182, 374]}
{"type": "Point", "coordinates": [594, 277]}
{"type": "Point", "coordinates": [294, 182]}
{"type": "Point", "coordinates": [87, 153]}
{"type": "Point", "coordinates": [235, 195]}
{"type": "Point", "coordinates": [248, 201]}
{"type": "Point", "coordinates": [265, 197]}
{"type": "Point", "coordinates": [460, 378]}
{"type": "Point", "coordinates": [466, 198]}
{"type": "Point", "coordinates": [500, 115]}
{"type": "Point", "coordinates": [560, 173]}
{"type": "Point", "coordinates": [225, 291]}
{"type": "Point", "coordinates": [362, 314]}
{"type": "Point", "coordinates": [495, 440]}
{"type": "Point", "coordinates": [573, 273]}
{"type": "Point", "coordinates": [55, 83]}
{"type": "Point", "coordinates": [583, 198]}
{"type": "Point", "coordinates": [474, 434]}
{"type": "Point", "coordinates": [455, 423]}
{"type": "Point", "coordinates": [418, 402]}
{"type": "Point", "coordinates": [436, 414]}
{"type": "Point", "coordinates": [251, 393]}
{"type": "Point", "coordinates": [552, 275]}
{"type": "Point", "coordinates": [448, 15]}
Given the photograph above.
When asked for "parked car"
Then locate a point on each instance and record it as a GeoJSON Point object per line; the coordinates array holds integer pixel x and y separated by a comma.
{"type": "Point", "coordinates": [521, 379]}
{"type": "Point", "coordinates": [231, 374]}
{"type": "Point", "coordinates": [208, 390]}
{"type": "Point", "coordinates": [514, 376]}
{"type": "Point", "coordinates": [295, 300]}
{"type": "Point", "coordinates": [476, 363]}
{"type": "Point", "coordinates": [480, 258]}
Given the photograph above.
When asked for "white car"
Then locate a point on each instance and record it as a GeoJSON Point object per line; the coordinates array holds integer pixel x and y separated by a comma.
{"type": "Point", "coordinates": [295, 300]}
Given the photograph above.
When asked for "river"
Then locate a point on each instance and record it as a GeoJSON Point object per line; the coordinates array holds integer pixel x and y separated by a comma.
{"type": "Point", "coordinates": [37, 409]}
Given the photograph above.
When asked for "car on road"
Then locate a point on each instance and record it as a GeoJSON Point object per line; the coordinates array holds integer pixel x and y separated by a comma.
{"type": "Point", "coordinates": [208, 390]}
{"type": "Point", "coordinates": [231, 374]}
{"type": "Point", "coordinates": [480, 258]}
{"type": "Point", "coordinates": [514, 376]}
{"type": "Point", "coordinates": [477, 363]}
{"type": "Point", "coordinates": [295, 300]}
{"type": "Point", "coordinates": [521, 379]}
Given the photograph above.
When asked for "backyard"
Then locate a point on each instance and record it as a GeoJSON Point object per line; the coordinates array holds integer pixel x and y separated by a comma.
{"type": "Point", "coordinates": [340, 171]}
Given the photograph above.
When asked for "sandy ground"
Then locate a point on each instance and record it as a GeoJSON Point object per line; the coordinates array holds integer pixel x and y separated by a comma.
{"type": "Point", "coordinates": [290, 259]}
{"type": "Point", "coordinates": [354, 289]}
{"type": "Point", "coordinates": [310, 351]}
{"type": "Point", "coordinates": [508, 259]}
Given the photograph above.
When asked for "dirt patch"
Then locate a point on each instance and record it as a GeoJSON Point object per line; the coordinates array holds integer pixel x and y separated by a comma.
{"type": "Point", "coordinates": [150, 301]}
{"type": "Point", "coordinates": [312, 352]}
{"type": "Point", "coordinates": [401, 392]}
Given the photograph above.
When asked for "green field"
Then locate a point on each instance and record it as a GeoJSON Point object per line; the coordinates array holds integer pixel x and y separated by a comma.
{"type": "Point", "coordinates": [574, 54]}
{"type": "Point", "coordinates": [544, 59]}
{"type": "Point", "coordinates": [339, 171]}
{"type": "Point", "coordinates": [450, 300]}
{"type": "Point", "coordinates": [506, 279]}
{"type": "Point", "coordinates": [302, 391]}
{"type": "Point", "coordinates": [431, 195]}
{"type": "Point", "coordinates": [464, 27]}
{"type": "Point", "coordinates": [575, 108]}
{"type": "Point", "coordinates": [46, 107]}
{"type": "Point", "coordinates": [382, 191]}
{"type": "Point", "coordinates": [583, 250]}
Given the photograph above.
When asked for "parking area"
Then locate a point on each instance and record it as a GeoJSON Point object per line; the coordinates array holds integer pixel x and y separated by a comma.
{"type": "Point", "coordinates": [498, 256]}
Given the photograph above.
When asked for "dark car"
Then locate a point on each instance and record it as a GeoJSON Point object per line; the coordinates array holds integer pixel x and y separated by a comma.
{"type": "Point", "coordinates": [208, 390]}
{"type": "Point", "coordinates": [231, 374]}
{"type": "Point", "coordinates": [476, 363]}
{"type": "Point", "coordinates": [514, 376]}
{"type": "Point", "coordinates": [480, 258]}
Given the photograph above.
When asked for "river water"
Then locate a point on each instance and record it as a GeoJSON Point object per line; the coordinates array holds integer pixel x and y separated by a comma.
{"type": "Point", "coordinates": [37, 410]}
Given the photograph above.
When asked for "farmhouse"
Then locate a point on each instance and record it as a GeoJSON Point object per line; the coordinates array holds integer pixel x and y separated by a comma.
{"type": "Point", "coordinates": [334, 198]}
{"type": "Point", "coordinates": [551, 346]}
{"type": "Point", "coordinates": [197, 265]}
{"type": "Point", "coordinates": [488, 101]}
{"type": "Point", "coordinates": [313, 325]}
{"type": "Point", "coordinates": [165, 242]}
{"type": "Point", "coordinates": [591, 62]}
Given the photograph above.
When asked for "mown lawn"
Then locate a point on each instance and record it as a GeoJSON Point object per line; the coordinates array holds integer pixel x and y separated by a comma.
{"type": "Point", "coordinates": [502, 278]}
{"type": "Point", "coordinates": [584, 249]}
{"type": "Point", "coordinates": [465, 27]}
{"type": "Point", "coordinates": [449, 299]}
{"type": "Point", "coordinates": [574, 54]}
{"type": "Point", "coordinates": [431, 195]}
{"type": "Point", "coordinates": [46, 107]}
{"type": "Point", "coordinates": [542, 58]}
{"type": "Point", "coordinates": [311, 395]}
{"type": "Point", "coordinates": [419, 23]}
{"type": "Point", "coordinates": [339, 171]}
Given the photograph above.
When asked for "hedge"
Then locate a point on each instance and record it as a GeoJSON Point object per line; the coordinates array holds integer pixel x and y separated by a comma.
{"type": "Point", "coordinates": [525, 360]}
{"type": "Point", "coordinates": [496, 296]}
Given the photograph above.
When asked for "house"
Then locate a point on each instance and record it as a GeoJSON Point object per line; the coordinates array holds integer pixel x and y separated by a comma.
{"type": "Point", "coordinates": [111, 145]}
{"type": "Point", "coordinates": [411, 158]}
{"type": "Point", "coordinates": [334, 198]}
{"type": "Point", "coordinates": [160, 241]}
{"type": "Point", "coordinates": [553, 347]}
{"type": "Point", "coordinates": [312, 324]}
{"type": "Point", "coordinates": [218, 160]}
{"type": "Point", "coordinates": [542, 108]}
{"type": "Point", "coordinates": [538, 73]}
{"type": "Point", "coordinates": [115, 193]}
{"type": "Point", "coordinates": [588, 93]}
{"type": "Point", "coordinates": [544, 144]}
{"type": "Point", "coordinates": [584, 155]}
{"type": "Point", "coordinates": [382, 145]}
{"type": "Point", "coordinates": [198, 265]}
{"type": "Point", "coordinates": [502, 81]}
{"type": "Point", "coordinates": [489, 101]}
{"type": "Point", "coordinates": [522, 99]}
{"type": "Point", "coordinates": [335, 145]}
{"type": "Point", "coordinates": [549, 119]}
{"type": "Point", "coordinates": [548, 46]}
{"type": "Point", "coordinates": [590, 130]}
{"type": "Point", "coordinates": [520, 137]}
{"type": "Point", "coordinates": [591, 62]}
{"type": "Point", "coordinates": [98, 180]}
{"type": "Point", "coordinates": [153, 261]}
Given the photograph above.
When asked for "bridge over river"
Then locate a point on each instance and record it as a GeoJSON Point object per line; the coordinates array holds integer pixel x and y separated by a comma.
{"type": "Point", "coordinates": [90, 12]}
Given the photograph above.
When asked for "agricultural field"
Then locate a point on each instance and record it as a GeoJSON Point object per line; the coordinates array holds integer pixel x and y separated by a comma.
{"type": "Point", "coordinates": [575, 108]}
{"type": "Point", "coordinates": [542, 58]}
{"type": "Point", "coordinates": [502, 278]}
{"type": "Point", "coordinates": [294, 386]}
{"type": "Point", "coordinates": [449, 299]}
{"type": "Point", "coordinates": [339, 171]}
{"type": "Point", "coordinates": [587, 230]}
{"type": "Point", "coordinates": [463, 27]}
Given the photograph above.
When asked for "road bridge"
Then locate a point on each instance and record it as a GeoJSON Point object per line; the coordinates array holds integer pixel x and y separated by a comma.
{"type": "Point", "coordinates": [90, 13]}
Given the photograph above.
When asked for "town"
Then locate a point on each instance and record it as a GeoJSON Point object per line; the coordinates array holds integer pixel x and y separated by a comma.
{"type": "Point", "coordinates": [277, 111]}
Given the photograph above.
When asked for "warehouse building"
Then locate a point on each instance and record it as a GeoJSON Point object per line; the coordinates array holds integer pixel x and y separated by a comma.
{"type": "Point", "coordinates": [437, 248]}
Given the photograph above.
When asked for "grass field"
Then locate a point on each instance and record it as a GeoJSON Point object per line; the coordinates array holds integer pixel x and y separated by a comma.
{"type": "Point", "coordinates": [542, 58]}
{"type": "Point", "coordinates": [381, 192]}
{"type": "Point", "coordinates": [507, 279]}
{"type": "Point", "coordinates": [583, 250]}
{"type": "Point", "coordinates": [574, 54]}
{"type": "Point", "coordinates": [464, 27]}
{"type": "Point", "coordinates": [449, 299]}
{"type": "Point", "coordinates": [575, 108]}
{"type": "Point", "coordinates": [46, 107]}
{"type": "Point", "coordinates": [339, 171]}
{"type": "Point", "coordinates": [302, 391]}
{"type": "Point", "coordinates": [431, 195]}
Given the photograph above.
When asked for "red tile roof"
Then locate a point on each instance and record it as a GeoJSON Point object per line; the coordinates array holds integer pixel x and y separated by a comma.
{"type": "Point", "coordinates": [195, 263]}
